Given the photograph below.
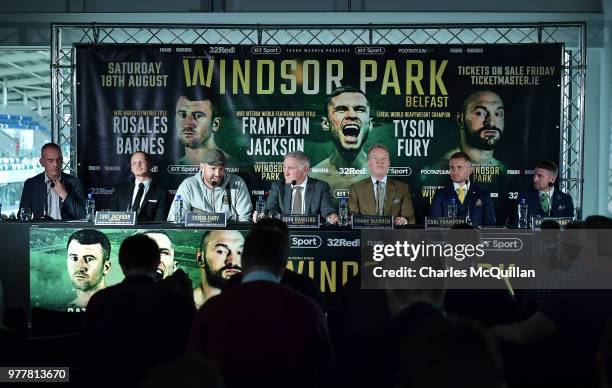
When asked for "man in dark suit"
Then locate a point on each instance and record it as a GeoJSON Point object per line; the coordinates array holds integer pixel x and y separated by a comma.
{"type": "Point", "coordinates": [545, 200]}
{"type": "Point", "coordinates": [380, 195]}
{"type": "Point", "coordinates": [53, 193]}
{"type": "Point", "coordinates": [148, 320]}
{"type": "Point", "coordinates": [298, 193]}
{"type": "Point", "coordinates": [260, 332]}
{"type": "Point", "coordinates": [142, 194]}
{"type": "Point", "coordinates": [472, 201]}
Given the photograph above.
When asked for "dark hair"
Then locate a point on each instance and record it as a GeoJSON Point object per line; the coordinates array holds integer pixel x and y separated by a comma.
{"type": "Point", "coordinates": [49, 146]}
{"type": "Point", "coordinates": [266, 245]}
{"type": "Point", "coordinates": [92, 237]}
{"type": "Point", "coordinates": [461, 155]}
{"type": "Point", "coordinates": [343, 89]}
{"type": "Point", "coordinates": [204, 240]}
{"type": "Point", "coordinates": [139, 251]}
{"type": "Point", "coordinates": [548, 165]}
{"type": "Point", "coordinates": [472, 95]}
{"type": "Point", "coordinates": [201, 93]}
{"type": "Point", "coordinates": [379, 146]}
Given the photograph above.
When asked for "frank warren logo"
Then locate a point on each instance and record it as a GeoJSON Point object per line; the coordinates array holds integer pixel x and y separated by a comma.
{"type": "Point", "coordinates": [369, 50]}
{"type": "Point", "coordinates": [400, 171]}
{"type": "Point", "coordinates": [304, 241]}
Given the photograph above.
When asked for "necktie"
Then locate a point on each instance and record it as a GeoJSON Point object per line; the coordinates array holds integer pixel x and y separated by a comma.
{"type": "Point", "coordinates": [380, 198]}
{"type": "Point", "coordinates": [136, 204]}
{"type": "Point", "coordinates": [297, 201]}
{"type": "Point", "coordinates": [461, 192]}
{"type": "Point", "coordinates": [544, 202]}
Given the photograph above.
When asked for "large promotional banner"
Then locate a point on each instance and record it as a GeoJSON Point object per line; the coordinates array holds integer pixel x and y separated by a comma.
{"type": "Point", "coordinates": [69, 265]}
{"type": "Point", "coordinates": [499, 103]}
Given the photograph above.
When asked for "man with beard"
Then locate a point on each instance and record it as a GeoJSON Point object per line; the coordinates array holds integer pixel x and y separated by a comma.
{"type": "Point", "coordinates": [481, 125]}
{"type": "Point", "coordinates": [348, 121]}
{"type": "Point", "coordinates": [196, 122]}
{"type": "Point", "coordinates": [88, 262]}
{"type": "Point", "coordinates": [219, 257]}
{"type": "Point", "coordinates": [213, 190]}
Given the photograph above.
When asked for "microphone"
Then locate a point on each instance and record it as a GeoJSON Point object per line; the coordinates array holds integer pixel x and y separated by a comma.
{"type": "Point", "coordinates": [293, 183]}
{"type": "Point", "coordinates": [159, 274]}
{"type": "Point", "coordinates": [52, 184]}
{"type": "Point", "coordinates": [212, 194]}
{"type": "Point", "coordinates": [467, 218]}
{"type": "Point", "coordinates": [550, 186]}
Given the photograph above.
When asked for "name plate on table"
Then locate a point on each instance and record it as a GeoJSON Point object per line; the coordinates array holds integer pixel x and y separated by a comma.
{"type": "Point", "coordinates": [105, 218]}
{"type": "Point", "coordinates": [536, 222]}
{"type": "Point", "coordinates": [202, 220]}
{"type": "Point", "coordinates": [302, 221]}
{"type": "Point", "coordinates": [360, 221]}
{"type": "Point", "coordinates": [443, 222]}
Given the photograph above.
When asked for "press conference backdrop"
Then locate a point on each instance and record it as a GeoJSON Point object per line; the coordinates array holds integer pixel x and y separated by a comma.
{"type": "Point", "coordinates": [273, 99]}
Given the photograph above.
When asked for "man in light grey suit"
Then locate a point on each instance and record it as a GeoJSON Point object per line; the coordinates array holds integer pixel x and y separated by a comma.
{"type": "Point", "coordinates": [299, 194]}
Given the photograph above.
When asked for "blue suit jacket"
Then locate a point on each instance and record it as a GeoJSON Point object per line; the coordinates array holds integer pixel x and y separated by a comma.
{"type": "Point", "coordinates": [34, 196]}
{"type": "Point", "coordinates": [318, 200]}
{"type": "Point", "coordinates": [477, 200]}
{"type": "Point", "coordinates": [561, 204]}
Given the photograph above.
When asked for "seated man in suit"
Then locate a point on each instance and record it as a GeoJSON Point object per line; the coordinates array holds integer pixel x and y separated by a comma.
{"type": "Point", "coordinates": [297, 193]}
{"type": "Point", "coordinates": [544, 200]}
{"type": "Point", "coordinates": [472, 201]}
{"type": "Point", "coordinates": [142, 194]}
{"type": "Point", "coordinates": [380, 195]}
{"type": "Point", "coordinates": [53, 193]}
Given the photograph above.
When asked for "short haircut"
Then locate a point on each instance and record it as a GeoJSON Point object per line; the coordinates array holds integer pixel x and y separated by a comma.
{"type": "Point", "coordinates": [92, 237]}
{"type": "Point", "coordinates": [146, 156]}
{"type": "Point", "coordinates": [266, 246]}
{"type": "Point", "coordinates": [206, 237]}
{"type": "Point", "coordinates": [461, 155]}
{"type": "Point", "coordinates": [300, 156]}
{"type": "Point", "coordinates": [379, 146]}
{"type": "Point", "coordinates": [473, 95]}
{"type": "Point", "coordinates": [201, 93]}
{"type": "Point", "coordinates": [549, 166]}
{"type": "Point", "coordinates": [49, 146]}
{"type": "Point", "coordinates": [139, 251]}
{"type": "Point", "coordinates": [344, 89]}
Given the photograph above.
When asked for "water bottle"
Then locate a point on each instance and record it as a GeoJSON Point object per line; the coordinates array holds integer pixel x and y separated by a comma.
{"type": "Point", "coordinates": [90, 208]}
{"type": "Point", "coordinates": [260, 207]}
{"type": "Point", "coordinates": [451, 210]}
{"type": "Point", "coordinates": [179, 210]}
{"type": "Point", "coordinates": [343, 212]}
{"type": "Point", "coordinates": [523, 221]}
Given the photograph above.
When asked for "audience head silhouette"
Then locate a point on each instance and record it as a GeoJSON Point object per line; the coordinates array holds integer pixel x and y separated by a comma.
{"type": "Point", "coordinates": [139, 254]}
{"type": "Point", "coordinates": [266, 247]}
